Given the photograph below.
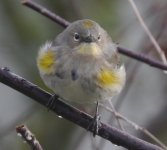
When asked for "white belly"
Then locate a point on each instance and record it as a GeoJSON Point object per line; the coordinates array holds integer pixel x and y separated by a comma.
{"type": "Point", "coordinates": [70, 90]}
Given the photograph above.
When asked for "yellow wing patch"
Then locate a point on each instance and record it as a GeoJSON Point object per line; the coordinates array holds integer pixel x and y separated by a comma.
{"type": "Point", "coordinates": [88, 24]}
{"type": "Point", "coordinates": [46, 61]}
{"type": "Point", "coordinates": [107, 78]}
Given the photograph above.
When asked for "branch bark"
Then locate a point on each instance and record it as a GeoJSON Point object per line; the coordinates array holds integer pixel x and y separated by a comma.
{"type": "Point", "coordinates": [72, 114]}
{"type": "Point", "coordinates": [27, 136]}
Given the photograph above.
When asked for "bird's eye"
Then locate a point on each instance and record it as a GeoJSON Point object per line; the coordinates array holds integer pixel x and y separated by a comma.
{"type": "Point", "coordinates": [99, 38]}
{"type": "Point", "coordinates": [76, 37]}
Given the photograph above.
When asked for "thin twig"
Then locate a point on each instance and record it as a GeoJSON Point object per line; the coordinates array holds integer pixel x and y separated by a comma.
{"type": "Point", "coordinates": [152, 39]}
{"type": "Point", "coordinates": [131, 78]}
{"type": "Point", "coordinates": [142, 58]}
{"type": "Point", "coordinates": [117, 118]}
{"type": "Point", "coordinates": [72, 114]}
{"type": "Point", "coordinates": [132, 73]}
{"type": "Point", "coordinates": [146, 50]}
{"type": "Point", "coordinates": [136, 126]}
{"type": "Point", "coordinates": [28, 137]}
{"type": "Point", "coordinates": [101, 142]}
{"type": "Point", "coordinates": [61, 21]}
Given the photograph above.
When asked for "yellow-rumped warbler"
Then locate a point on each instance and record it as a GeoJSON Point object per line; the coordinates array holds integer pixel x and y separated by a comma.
{"type": "Point", "coordinates": [82, 64]}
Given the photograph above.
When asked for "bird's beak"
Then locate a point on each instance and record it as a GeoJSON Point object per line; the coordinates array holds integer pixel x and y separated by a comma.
{"type": "Point", "coordinates": [89, 39]}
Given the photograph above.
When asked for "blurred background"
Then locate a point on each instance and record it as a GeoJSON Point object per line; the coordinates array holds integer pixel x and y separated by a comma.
{"type": "Point", "coordinates": [143, 100]}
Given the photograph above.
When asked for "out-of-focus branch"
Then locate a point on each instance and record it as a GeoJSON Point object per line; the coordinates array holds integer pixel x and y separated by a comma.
{"type": "Point", "coordinates": [152, 39]}
{"type": "Point", "coordinates": [117, 118]}
{"type": "Point", "coordinates": [136, 126]}
{"type": "Point", "coordinates": [61, 21]}
{"type": "Point", "coordinates": [27, 136]}
{"type": "Point", "coordinates": [72, 114]}
{"type": "Point", "coordinates": [142, 58]}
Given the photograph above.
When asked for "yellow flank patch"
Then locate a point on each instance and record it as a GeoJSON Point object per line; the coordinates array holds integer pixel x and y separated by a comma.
{"type": "Point", "coordinates": [88, 24]}
{"type": "Point", "coordinates": [107, 78]}
{"type": "Point", "coordinates": [46, 61]}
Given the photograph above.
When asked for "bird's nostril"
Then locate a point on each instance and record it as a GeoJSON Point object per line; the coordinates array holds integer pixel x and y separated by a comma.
{"type": "Point", "coordinates": [89, 39]}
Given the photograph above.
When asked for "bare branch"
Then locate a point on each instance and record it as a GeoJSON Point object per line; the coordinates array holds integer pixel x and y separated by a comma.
{"type": "Point", "coordinates": [62, 22]}
{"type": "Point", "coordinates": [27, 136]}
{"type": "Point", "coordinates": [136, 126]}
{"type": "Point", "coordinates": [142, 58]}
{"type": "Point", "coordinates": [115, 115]}
{"type": "Point", "coordinates": [152, 39]}
{"type": "Point", "coordinates": [72, 114]}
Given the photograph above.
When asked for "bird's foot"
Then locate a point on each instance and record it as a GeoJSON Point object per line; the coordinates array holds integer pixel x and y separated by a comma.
{"type": "Point", "coordinates": [51, 102]}
{"type": "Point", "coordinates": [95, 123]}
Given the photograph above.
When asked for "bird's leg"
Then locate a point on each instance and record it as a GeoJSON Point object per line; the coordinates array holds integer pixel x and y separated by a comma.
{"type": "Point", "coordinates": [95, 123]}
{"type": "Point", "coordinates": [51, 102]}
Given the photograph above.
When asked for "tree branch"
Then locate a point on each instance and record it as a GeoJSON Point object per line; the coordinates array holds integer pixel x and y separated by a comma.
{"type": "Point", "coordinates": [27, 136]}
{"type": "Point", "coordinates": [62, 22]}
{"type": "Point", "coordinates": [72, 114]}
{"type": "Point", "coordinates": [142, 58]}
{"type": "Point", "coordinates": [147, 31]}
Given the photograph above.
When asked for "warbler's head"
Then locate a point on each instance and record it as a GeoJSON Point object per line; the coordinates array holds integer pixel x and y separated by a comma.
{"type": "Point", "coordinates": [85, 36]}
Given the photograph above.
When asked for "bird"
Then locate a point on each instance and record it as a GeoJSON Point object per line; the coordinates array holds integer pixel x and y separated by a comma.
{"type": "Point", "coordinates": [82, 65]}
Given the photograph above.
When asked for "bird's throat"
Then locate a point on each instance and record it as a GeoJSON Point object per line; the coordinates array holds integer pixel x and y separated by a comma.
{"type": "Point", "coordinates": [91, 49]}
